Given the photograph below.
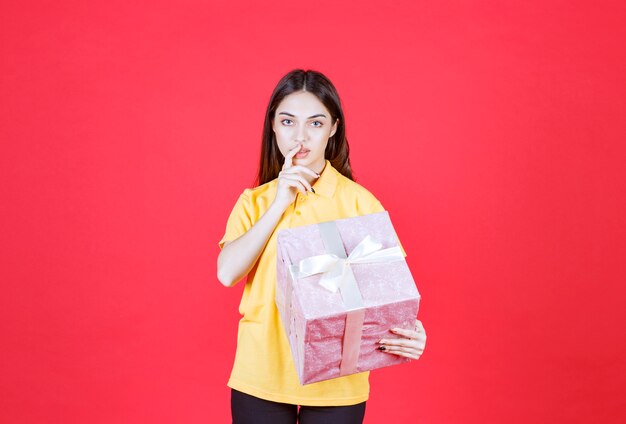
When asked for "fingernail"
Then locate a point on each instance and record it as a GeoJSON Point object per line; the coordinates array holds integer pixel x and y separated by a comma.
{"type": "Point", "coordinates": [312, 189]}
{"type": "Point", "coordinates": [382, 348]}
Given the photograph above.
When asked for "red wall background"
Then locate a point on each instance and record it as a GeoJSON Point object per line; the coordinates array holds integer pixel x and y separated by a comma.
{"type": "Point", "coordinates": [492, 131]}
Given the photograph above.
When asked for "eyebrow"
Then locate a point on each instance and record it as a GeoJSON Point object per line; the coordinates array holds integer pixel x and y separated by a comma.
{"type": "Point", "coordinates": [310, 117]}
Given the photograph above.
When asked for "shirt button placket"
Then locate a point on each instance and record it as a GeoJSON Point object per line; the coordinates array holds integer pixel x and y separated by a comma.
{"type": "Point", "coordinates": [298, 197]}
{"type": "Point", "coordinates": [294, 211]}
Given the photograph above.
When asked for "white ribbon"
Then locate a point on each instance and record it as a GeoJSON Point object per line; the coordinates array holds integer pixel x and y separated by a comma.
{"type": "Point", "coordinates": [334, 268]}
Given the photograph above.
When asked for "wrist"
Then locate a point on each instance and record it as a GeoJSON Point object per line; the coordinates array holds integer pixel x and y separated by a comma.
{"type": "Point", "coordinates": [279, 206]}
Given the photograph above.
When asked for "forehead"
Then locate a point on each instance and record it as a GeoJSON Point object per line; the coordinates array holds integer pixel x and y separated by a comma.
{"type": "Point", "coordinates": [302, 103]}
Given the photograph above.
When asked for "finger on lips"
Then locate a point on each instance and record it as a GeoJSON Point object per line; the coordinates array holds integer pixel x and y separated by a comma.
{"type": "Point", "coordinates": [295, 150]}
{"type": "Point", "coordinates": [289, 171]}
{"type": "Point", "coordinates": [289, 157]}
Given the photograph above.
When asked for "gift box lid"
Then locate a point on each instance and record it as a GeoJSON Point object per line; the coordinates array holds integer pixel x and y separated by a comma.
{"type": "Point", "coordinates": [379, 283]}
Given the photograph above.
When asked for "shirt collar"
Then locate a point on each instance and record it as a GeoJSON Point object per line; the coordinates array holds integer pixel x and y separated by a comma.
{"type": "Point", "coordinates": [327, 182]}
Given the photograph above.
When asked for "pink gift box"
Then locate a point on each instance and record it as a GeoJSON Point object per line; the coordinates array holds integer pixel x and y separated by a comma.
{"type": "Point", "coordinates": [336, 333]}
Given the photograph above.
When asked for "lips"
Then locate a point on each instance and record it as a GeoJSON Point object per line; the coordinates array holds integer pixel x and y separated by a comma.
{"type": "Point", "coordinates": [302, 153]}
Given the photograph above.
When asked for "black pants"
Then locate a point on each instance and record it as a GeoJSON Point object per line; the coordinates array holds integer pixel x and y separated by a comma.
{"type": "Point", "coordinates": [247, 409]}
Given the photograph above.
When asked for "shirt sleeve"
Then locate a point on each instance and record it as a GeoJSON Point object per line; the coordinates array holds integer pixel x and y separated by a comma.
{"type": "Point", "coordinates": [240, 219]}
{"type": "Point", "coordinates": [373, 205]}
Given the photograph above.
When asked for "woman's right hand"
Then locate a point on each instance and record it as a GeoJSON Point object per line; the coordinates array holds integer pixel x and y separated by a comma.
{"type": "Point", "coordinates": [290, 181]}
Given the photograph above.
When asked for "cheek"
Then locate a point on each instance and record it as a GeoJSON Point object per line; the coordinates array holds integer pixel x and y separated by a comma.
{"type": "Point", "coordinates": [321, 136]}
{"type": "Point", "coordinates": [282, 134]}
{"type": "Point", "coordinates": [282, 139]}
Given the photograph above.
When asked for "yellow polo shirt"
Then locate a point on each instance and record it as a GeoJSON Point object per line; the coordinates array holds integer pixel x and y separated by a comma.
{"type": "Point", "coordinates": [263, 364]}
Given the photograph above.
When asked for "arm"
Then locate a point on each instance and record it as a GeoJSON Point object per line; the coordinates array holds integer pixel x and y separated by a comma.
{"type": "Point", "coordinates": [239, 256]}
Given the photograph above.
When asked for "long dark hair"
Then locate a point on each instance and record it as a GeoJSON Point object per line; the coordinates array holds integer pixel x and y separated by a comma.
{"type": "Point", "coordinates": [337, 151]}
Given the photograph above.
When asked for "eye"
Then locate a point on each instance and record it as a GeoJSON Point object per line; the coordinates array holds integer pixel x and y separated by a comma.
{"type": "Point", "coordinates": [283, 121]}
{"type": "Point", "coordinates": [318, 122]}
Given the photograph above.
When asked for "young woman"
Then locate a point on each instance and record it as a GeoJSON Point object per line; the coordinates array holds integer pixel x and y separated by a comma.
{"type": "Point", "coordinates": [304, 178]}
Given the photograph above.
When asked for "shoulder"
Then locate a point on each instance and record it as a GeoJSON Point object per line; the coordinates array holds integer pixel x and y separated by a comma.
{"type": "Point", "coordinates": [264, 190]}
{"type": "Point", "coordinates": [258, 198]}
{"type": "Point", "coordinates": [364, 199]}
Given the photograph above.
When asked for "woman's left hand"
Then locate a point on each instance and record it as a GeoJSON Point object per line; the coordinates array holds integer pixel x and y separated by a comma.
{"type": "Point", "coordinates": [411, 345]}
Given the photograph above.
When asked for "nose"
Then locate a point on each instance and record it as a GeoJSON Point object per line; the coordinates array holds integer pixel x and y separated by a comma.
{"type": "Point", "coordinates": [301, 135]}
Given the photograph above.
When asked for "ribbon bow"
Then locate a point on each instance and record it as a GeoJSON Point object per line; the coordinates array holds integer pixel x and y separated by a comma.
{"type": "Point", "coordinates": [334, 268]}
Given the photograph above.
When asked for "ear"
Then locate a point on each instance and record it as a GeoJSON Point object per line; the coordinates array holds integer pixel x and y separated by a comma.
{"type": "Point", "coordinates": [334, 129]}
